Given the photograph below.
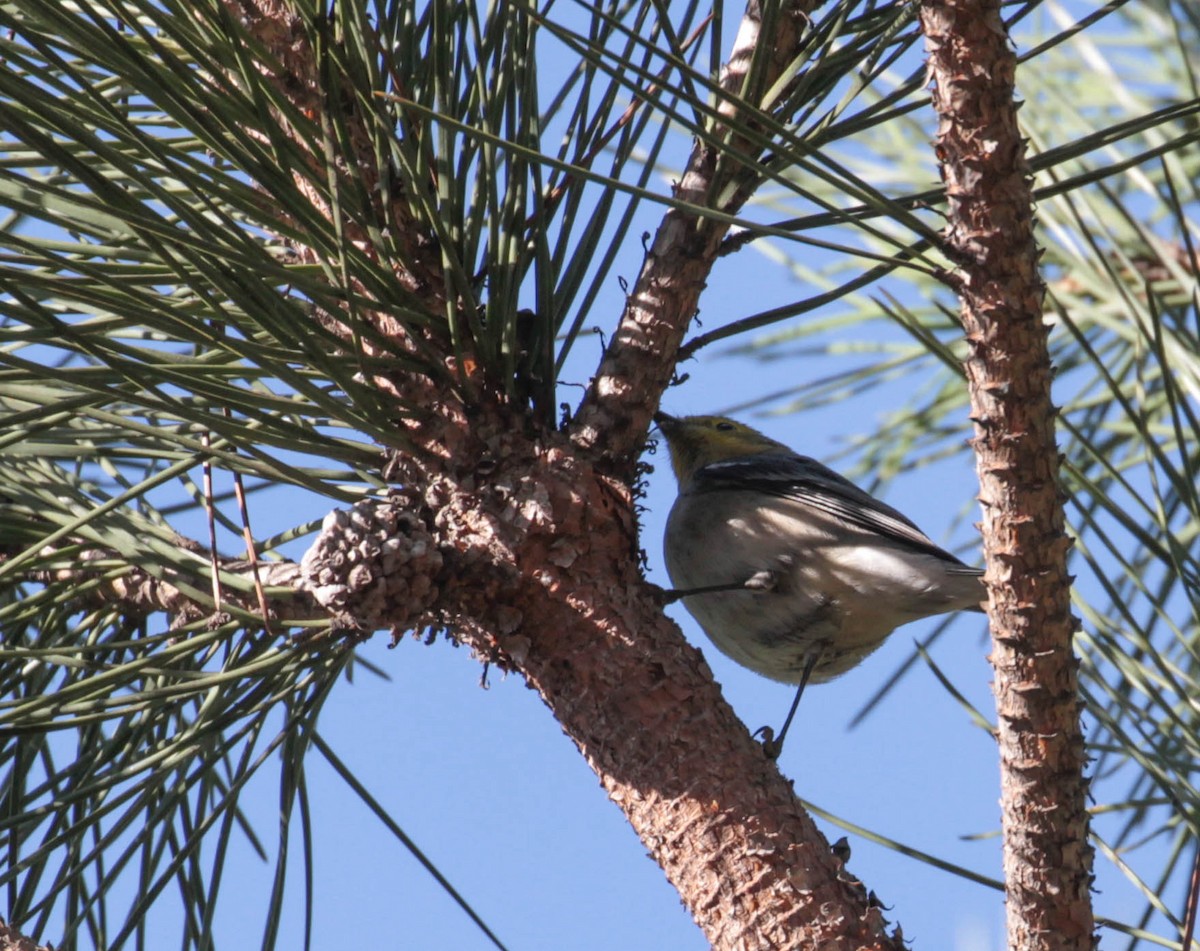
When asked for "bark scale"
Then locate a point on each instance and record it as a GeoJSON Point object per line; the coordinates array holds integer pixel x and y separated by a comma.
{"type": "Point", "coordinates": [990, 237]}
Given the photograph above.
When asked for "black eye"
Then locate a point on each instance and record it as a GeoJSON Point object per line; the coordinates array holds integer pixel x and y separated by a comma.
{"type": "Point", "coordinates": [726, 426]}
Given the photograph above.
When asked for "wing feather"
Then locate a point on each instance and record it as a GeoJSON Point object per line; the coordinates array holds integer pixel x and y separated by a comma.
{"type": "Point", "coordinates": [806, 481]}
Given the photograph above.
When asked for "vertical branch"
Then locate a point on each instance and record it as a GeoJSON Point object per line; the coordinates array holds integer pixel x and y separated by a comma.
{"type": "Point", "coordinates": [1047, 857]}
{"type": "Point", "coordinates": [639, 361]}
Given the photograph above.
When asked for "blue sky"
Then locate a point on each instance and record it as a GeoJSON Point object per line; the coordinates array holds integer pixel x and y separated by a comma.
{"type": "Point", "coordinates": [484, 781]}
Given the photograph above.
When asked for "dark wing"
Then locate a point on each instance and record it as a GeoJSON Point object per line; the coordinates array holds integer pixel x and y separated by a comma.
{"type": "Point", "coordinates": [806, 481]}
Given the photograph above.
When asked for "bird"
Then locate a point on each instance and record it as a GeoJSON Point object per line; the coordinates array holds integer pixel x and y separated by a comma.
{"type": "Point", "coordinates": [788, 567]}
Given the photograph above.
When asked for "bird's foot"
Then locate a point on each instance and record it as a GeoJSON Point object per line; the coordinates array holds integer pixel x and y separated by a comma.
{"type": "Point", "coordinates": [765, 580]}
{"type": "Point", "coordinates": [771, 746]}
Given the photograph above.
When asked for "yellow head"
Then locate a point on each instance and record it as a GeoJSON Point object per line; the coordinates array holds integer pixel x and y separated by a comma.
{"type": "Point", "coordinates": [695, 441]}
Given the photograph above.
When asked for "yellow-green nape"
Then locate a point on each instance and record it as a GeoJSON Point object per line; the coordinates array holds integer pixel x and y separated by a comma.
{"type": "Point", "coordinates": [696, 441]}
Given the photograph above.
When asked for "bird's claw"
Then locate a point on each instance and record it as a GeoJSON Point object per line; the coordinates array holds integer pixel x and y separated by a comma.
{"type": "Point", "coordinates": [667, 596]}
{"type": "Point", "coordinates": [770, 745]}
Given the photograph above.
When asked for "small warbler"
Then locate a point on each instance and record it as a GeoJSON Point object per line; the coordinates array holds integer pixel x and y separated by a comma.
{"type": "Point", "coordinates": [791, 569]}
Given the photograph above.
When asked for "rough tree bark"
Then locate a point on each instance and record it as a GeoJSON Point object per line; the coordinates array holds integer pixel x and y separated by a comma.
{"type": "Point", "coordinates": [13, 940]}
{"type": "Point", "coordinates": [1047, 857]}
{"type": "Point", "coordinates": [536, 568]}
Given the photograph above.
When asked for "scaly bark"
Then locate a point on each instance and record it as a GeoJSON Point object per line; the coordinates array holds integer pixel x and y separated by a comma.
{"type": "Point", "coordinates": [1047, 857]}
{"type": "Point", "coordinates": [540, 573]}
{"type": "Point", "coordinates": [13, 940]}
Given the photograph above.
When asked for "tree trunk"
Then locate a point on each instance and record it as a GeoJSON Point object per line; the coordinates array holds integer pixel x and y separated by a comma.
{"type": "Point", "coordinates": [538, 568]}
{"type": "Point", "coordinates": [1047, 857]}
